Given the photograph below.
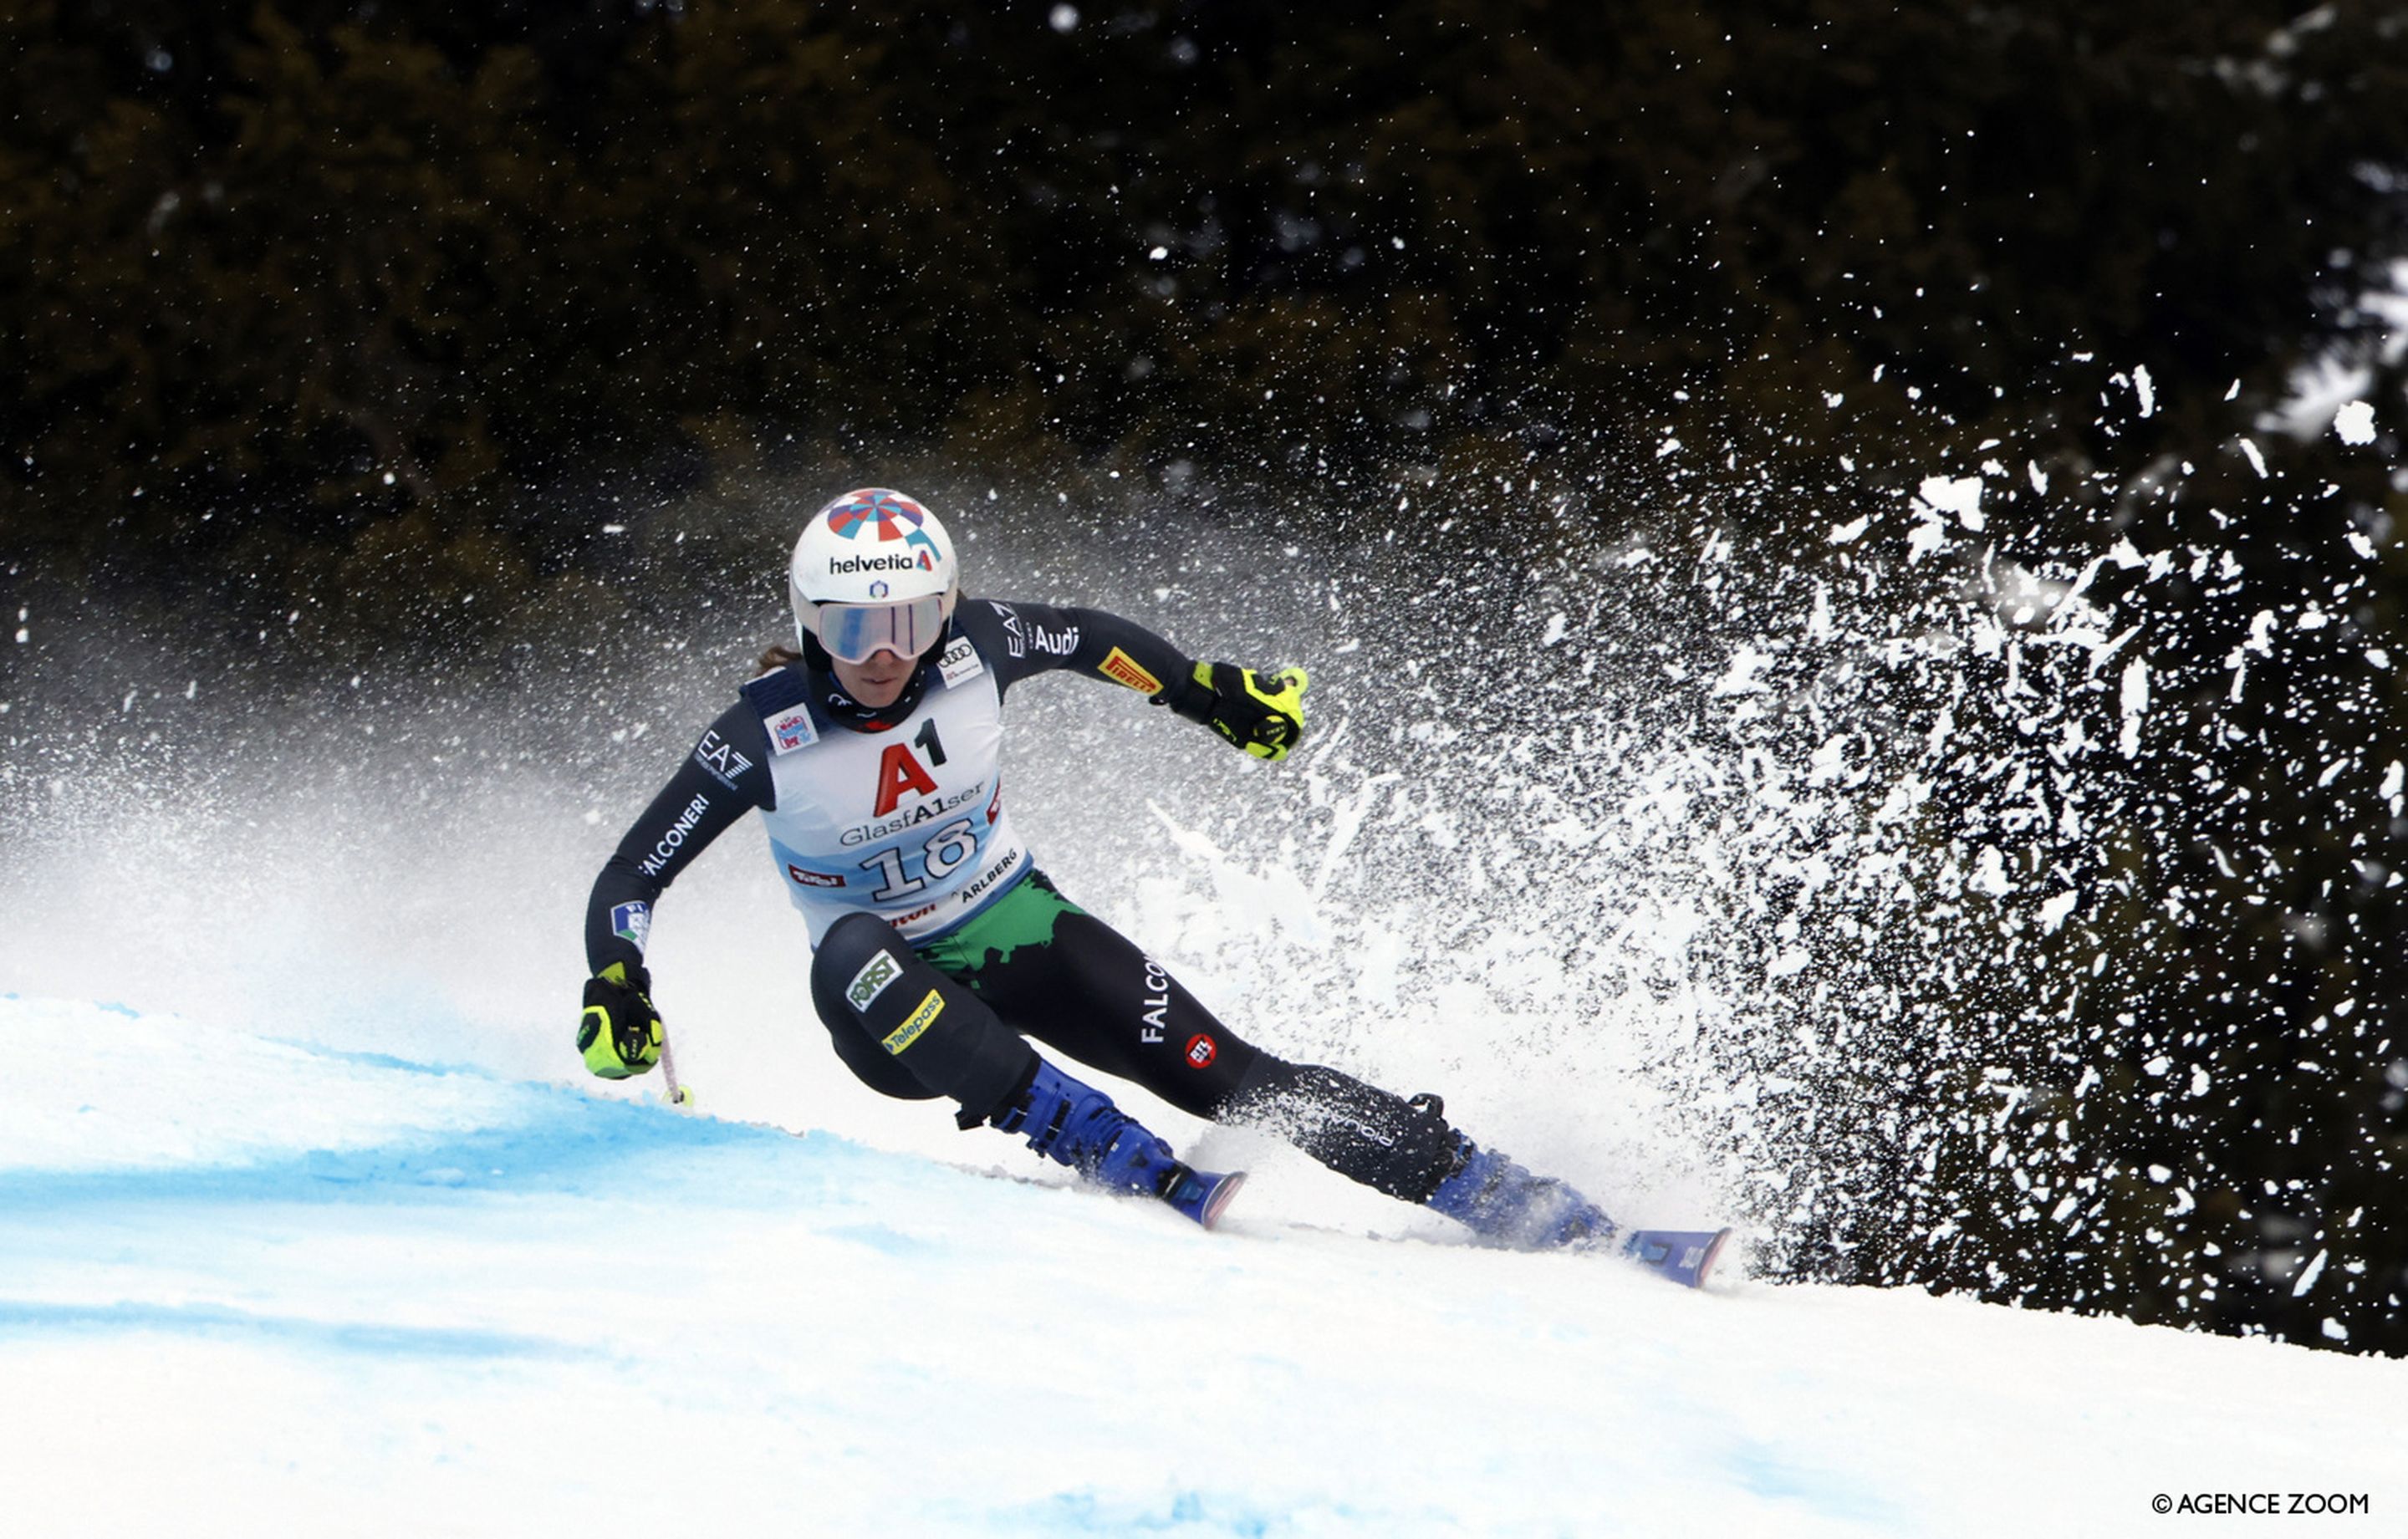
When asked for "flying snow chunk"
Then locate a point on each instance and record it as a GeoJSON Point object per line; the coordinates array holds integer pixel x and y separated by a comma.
{"type": "Point", "coordinates": [2318, 393]}
{"type": "Point", "coordinates": [2053, 912]}
{"type": "Point", "coordinates": [2135, 704]}
{"type": "Point", "coordinates": [1845, 534]}
{"type": "Point", "coordinates": [1990, 873]}
{"type": "Point", "coordinates": [2354, 423]}
{"type": "Point", "coordinates": [2308, 1275]}
{"type": "Point", "coordinates": [1063, 18]}
{"type": "Point", "coordinates": [1958, 494]}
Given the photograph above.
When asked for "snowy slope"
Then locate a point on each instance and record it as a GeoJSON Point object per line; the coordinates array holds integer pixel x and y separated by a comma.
{"type": "Point", "coordinates": [251, 1286]}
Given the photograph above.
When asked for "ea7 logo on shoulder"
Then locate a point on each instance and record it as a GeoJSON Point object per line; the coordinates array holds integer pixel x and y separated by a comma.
{"type": "Point", "coordinates": [718, 756]}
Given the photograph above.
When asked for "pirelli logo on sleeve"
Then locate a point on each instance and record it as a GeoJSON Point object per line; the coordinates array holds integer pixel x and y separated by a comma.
{"type": "Point", "coordinates": [1121, 668]}
{"type": "Point", "coordinates": [913, 1025]}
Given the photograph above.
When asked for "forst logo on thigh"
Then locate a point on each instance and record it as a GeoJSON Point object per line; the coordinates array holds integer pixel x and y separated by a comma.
{"type": "Point", "coordinates": [871, 981]}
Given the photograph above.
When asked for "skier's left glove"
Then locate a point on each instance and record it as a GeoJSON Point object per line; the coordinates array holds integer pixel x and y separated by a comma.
{"type": "Point", "coordinates": [1261, 714]}
{"type": "Point", "coordinates": [620, 1033]}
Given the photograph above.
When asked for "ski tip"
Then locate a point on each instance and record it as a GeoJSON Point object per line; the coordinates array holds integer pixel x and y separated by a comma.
{"type": "Point", "coordinates": [1202, 1194]}
{"type": "Point", "coordinates": [1223, 1190]}
{"type": "Point", "coordinates": [1714, 1253]}
{"type": "Point", "coordinates": [1686, 1255]}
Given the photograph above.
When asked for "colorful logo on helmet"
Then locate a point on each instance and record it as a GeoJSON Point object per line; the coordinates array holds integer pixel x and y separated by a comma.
{"type": "Point", "coordinates": [889, 516]}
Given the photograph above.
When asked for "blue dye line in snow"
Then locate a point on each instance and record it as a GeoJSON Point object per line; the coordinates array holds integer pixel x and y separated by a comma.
{"type": "Point", "coordinates": [23, 1317]}
{"type": "Point", "coordinates": [111, 1006]}
{"type": "Point", "coordinates": [560, 1143]}
{"type": "Point", "coordinates": [386, 1061]}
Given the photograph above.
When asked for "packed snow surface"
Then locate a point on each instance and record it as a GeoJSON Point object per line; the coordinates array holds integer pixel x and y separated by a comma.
{"type": "Point", "coordinates": [251, 1285]}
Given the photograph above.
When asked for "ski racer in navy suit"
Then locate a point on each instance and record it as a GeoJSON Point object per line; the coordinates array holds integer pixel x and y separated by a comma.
{"type": "Point", "coordinates": [873, 754]}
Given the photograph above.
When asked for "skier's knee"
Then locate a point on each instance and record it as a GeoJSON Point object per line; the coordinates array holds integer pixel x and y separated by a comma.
{"type": "Point", "coordinates": [847, 970]}
{"type": "Point", "coordinates": [852, 945]}
{"type": "Point", "coordinates": [897, 1020]}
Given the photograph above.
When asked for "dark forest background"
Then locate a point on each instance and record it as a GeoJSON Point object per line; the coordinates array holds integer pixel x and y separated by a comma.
{"type": "Point", "coordinates": [363, 312]}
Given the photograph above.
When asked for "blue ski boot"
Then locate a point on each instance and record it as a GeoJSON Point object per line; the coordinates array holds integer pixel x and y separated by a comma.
{"type": "Point", "coordinates": [1078, 1126]}
{"type": "Point", "coordinates": [1507, 1205]}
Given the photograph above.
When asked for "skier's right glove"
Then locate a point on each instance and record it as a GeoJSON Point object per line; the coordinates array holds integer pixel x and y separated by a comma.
{"type": "Point", "coordinates": [620, 1033]}
{"type": "Point", "coordinates": [1261, 713]}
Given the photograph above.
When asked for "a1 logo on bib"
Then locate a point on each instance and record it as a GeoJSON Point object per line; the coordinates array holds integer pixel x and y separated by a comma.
{"type": "Point", "coordinates": [900, 772]}
{"type": "Point", "coordinates": [871, 981]}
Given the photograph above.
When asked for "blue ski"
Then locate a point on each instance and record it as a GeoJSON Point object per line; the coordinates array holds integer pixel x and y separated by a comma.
{"type": "Point", "coordinates": [1684, 1255]}
{"type": "Point", "coordinates": [1200, 1195]}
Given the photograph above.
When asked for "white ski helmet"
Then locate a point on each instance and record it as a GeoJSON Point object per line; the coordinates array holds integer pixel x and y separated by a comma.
{"type": "Point", "coordinates": [873, 572]}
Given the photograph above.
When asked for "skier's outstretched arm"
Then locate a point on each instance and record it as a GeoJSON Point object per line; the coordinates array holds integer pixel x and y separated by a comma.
{"type": "Point", "coordinates": [726, 775]}
{"type": "Point", "coordinates": [1262, 713]}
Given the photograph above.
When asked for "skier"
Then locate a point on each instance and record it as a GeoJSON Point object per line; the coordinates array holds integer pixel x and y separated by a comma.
{"type": "Point", "coordinates": [873, 754]}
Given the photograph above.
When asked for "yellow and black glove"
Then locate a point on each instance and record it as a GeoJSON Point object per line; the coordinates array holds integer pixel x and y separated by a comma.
{"type": "Point", "coordinates": [1261, 714]}
{"type": "Point", "coordinates": [620, 1033]}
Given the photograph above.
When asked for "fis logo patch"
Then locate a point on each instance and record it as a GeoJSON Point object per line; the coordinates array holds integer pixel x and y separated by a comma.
{"type": "Point", "coordinates": [871, 981]}
{"type": "Point", "coordinates": [632, 922]}
{"type": "Point", "coordinates": [1201, 1052]}
{"type": "Point", "coordinates": [791, 730]}
{"type": "Point", "coordinates": [919, 1020]}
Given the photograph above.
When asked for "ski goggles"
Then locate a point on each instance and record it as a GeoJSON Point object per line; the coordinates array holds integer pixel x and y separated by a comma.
{"type": "Point", "coordinates": [856, 632]}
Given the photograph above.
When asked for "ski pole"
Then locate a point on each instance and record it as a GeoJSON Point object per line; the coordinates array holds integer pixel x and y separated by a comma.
{"type": "Point", "coordinates": [679, 1095]}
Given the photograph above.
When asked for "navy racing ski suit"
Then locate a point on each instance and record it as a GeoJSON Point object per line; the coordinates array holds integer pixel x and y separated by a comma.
{"type": "Point", "coordinates": [898, 813]}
